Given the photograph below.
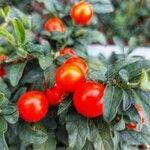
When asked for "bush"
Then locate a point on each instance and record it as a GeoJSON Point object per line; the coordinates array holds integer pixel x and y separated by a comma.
{"type": "Point", "coordinates": [29, 60]}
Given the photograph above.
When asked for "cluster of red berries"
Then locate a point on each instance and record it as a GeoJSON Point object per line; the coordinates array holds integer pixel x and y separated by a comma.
{"type": "Point", "coordinates": [70, 79]}
{"type": "Point", "coordinates": [81, 13]}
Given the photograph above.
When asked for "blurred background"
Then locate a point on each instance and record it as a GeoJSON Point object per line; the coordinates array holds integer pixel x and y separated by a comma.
{"type": "Point", "coordinates": [124, 19]}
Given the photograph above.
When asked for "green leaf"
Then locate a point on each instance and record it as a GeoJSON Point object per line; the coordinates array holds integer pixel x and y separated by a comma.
{"type": "Point", "coordinates": [78, 131]}
{"type": "Point", "coordinates": [64, 106]}
{"type": "Point", "coordinates": [133, 116]}
{"type": "Point", "coordinates": [21, 52]}
{"type": "Point", "coordinates": [61, 134]}
{"type": "Point", "coordinates": [36, 22]}
{"type": "Point", "coordinates": [7, 36]}
{"type": "Point", "coordinates": [144, 100]}
{"type": "Point", "coordinates": [29, 136]}
{"type": "Point", "coordinates": [112, 100]}
{"type": "Point", "coordinates": [45, 61]}
{"type": "Point", "coordinates": [120, 125]}
{"type": "Point", "coordinates": [2, 97]}
{"type": "Point", "coordinates": [88, 146]}
{"type": "Point", "coordinates": [55, 35]}
{"type": "Point", "coordinates": [35, 49]}
{"type": "Point", "coordinates": [96, 76]}
{"type": "Point", "coordinates": [49, 74]}
{"type": "Point", "coordinates": [19, 30]}
{"type": "Point", "coordinates": [18, 93]}
{"type": "Point", "coordinates": [30, 36]}
{"type": "Point", "coordinates": [94, 36]}
{"type": "Point", "coordinates": [100, 135]}
{"type": "Point", "coordinates": [133, 43]}
{"type": "Point", "coordinates": [124, 75]}
{"type": "Point", "coordinates": [16, 13]}
{"type": "Point", "coordinates": [118, 42]}
{"type": "Point", "coordinates": [51, 6]}
{"type": "Point", "coordinates": [3, 125]}
{"type": "Point", "coordinates": [15, 73]}
{"type": "Point", "coordinates": [3, 50]}
{"type": "Point", "coordinates": [50, 144]}
{"type": "Point", "coordinates": [9, 109]}
{"type": "Point", "coordinates": [135, 138]}
{"type": "Point", "coordinates": [135, 69]}
{"type": "Point", "coordinates": [4, 88]}
{"type": "Point", "coordinates": [4, 11]}
{"type": "Point", "coordinates": [3, 144]}
{"type": "Point", "coordinates": [103, 8]}
{"type": "Point", "coordinates": [46, 47]}
{"type": "Point", "coordinates": [126, 103]}
{"type": "Point", "coordinates": [12, 118]}
{"type": "Point", "coordinates": [32, 76]}
{"type": "Point", "coordinates": [144, 81]}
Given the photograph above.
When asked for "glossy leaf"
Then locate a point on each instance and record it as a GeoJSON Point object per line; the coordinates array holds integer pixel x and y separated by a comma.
{"type": "Point", "coordinates": [15, 73]}
{"type": "Point", "coordinates": [100, 135]}
{"type": "Point", "coordinates": [19, 31]}
{"type": "Point", "coordinates": [78, 131]}
{"type": "Point", "coordinates": [30, 136]}
{"type": "Point", "coordinates": [7, 36]}
{"type": "Point", "coordinates": [112, 100]}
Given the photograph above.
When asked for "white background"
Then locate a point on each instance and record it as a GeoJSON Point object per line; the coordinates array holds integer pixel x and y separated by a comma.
{"type": "Point", "coordinates": [94, 50]}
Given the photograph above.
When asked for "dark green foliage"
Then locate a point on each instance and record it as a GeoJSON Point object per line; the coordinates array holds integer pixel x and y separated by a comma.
{"type": "Point", "coordinates": [33, 58]}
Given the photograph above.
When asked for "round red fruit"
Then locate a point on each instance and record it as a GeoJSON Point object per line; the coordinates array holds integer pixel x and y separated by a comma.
{"type": "Point", "coordinates": [131, 126]}
{"type": "Point", "coordinates": [82, 13]}
{"type": "Point", "coordinates": [2, 72]}
{"type": "Point", "coordinates": [88, 99]}
{"type": "Point", "coordinates": [69, 51]}
{"type": "Point", "coordinates": [78, 62]}
{"type": "Point", "coordinates": [69, 77]}
{"type": "Point", "coordinates": [54, 24]}
{"type": "Point", "coordinates": [55, 96]}
{"type": "Point", "coordinates": [32, 106]}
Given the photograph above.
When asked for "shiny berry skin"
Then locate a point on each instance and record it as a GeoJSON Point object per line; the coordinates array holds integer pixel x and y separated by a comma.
{"type": "Point", "coordinates": [69, 77]}
{"type": "Point", "coordinates": [78, 62]}
{"type": "Point", "coordinates": [55, 96]}
{"type": "Point", "coordinates": [66, 51]}
{"type": "Point", "coordinates": [82, 13]}
{"type": "Point", "coordinates": [32, 106]}
{"type": "Point", "coordinates": [54, 24]}
{"type": "Point", "coordinates": [88, 99]}
{"type": "Point", "coordinates": [2, 72]}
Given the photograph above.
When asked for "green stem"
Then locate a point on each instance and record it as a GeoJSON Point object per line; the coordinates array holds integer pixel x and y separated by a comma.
{"type": "Point", "coordinates": [79, 32]}
{"type": "Point", "coordinates": [133, 85]}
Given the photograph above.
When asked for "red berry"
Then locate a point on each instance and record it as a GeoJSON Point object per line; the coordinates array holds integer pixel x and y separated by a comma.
{"type": "Point", "coordinates": [2, 72]}
{"type": "Point", "coordinates": [78, 62]}
{"type": "Point", "coordinates": [88, 99]}
{"type": "Point", "coordinates": [55, 96]}
{"type": "Point", "coordinates": [69, 77]}
{"type": "Point", "coordinates": [131, 126]}
{"type": "Point", "coordinates": [32, 106]}
{"type": "Point", "coordinates": [82, 13]}
{"type": "Point", "coordinates": [69, 51]}
{"type": "Point", "coordinates": [54, 24]}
